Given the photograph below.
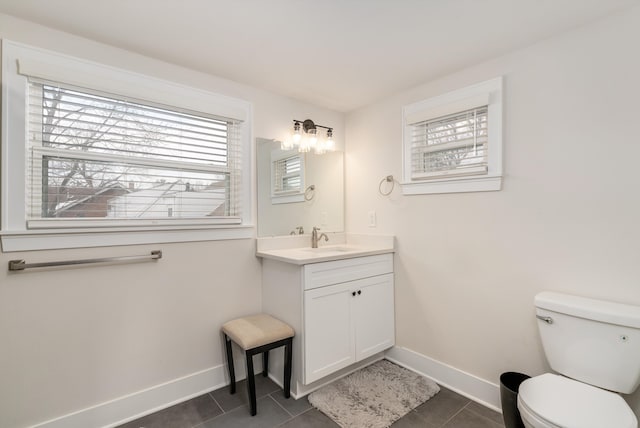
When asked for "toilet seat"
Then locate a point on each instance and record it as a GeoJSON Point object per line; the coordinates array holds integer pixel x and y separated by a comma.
{"type": "Point", "coordinates": [554, 401]}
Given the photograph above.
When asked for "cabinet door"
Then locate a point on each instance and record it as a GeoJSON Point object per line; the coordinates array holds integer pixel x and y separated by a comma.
{"type": "Point", "coordinates": [374, 315]}
{"type": "Point", "coordinates": [328, 331]}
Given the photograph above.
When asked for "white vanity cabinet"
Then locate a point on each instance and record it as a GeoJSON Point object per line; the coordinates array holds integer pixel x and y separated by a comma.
{"type": "Point", "coordinates": [345, 323]}
{"type": "Point", "coordinates": [342, 312]}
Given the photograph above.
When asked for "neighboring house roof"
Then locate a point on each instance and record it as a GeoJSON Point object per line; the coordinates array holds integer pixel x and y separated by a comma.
{"type": "Point", "coordinates": [177, 196]}
{"type": "Point", "coordinates": [81, 199]}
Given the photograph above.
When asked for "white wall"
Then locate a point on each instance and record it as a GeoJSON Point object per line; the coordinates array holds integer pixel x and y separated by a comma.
{"type": "Point", "coordinates": [469, 265]}
{"type": "Point", "coordinates": [74, 338]}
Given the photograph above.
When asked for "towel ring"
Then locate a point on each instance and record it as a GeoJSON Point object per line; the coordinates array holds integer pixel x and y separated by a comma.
{"type": "Point", "coordinates": [310, 192]}
{"type": "Point", "coordinates": [388, 179]}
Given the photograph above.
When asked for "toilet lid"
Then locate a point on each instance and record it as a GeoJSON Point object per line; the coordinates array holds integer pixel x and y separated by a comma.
{"type": "Point", "coordinates": [568, 403]}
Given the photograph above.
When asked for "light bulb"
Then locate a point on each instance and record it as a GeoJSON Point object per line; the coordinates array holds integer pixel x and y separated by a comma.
{"type": "Point", "coordinates": [296, 137]}
{"type": "Point", "coordinates": [304, 145]}
{"type": "Point", "coordinates": [330, 145]}
{"type": "Point", "coordinates": [313, 137]}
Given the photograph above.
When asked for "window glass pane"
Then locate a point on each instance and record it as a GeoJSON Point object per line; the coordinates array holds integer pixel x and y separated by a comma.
{"type": "Point", "coordinates": [455, 142]}
{"type": "Point", "coordinates": [291, 183]}
{"type": "Point", "coordinates": [73, 188]}
{"type": "Point", "coordinates": [86, 122]}
{"type": "Point", "coordinates": [292, 165]}
{"type": "Point", "coordinates": [97, 156]}
{"type": "Point", "coordinates": [287, 174]}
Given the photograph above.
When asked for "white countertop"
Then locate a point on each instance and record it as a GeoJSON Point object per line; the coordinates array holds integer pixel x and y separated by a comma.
{"type": "Point", "coordinates": [344, 246]}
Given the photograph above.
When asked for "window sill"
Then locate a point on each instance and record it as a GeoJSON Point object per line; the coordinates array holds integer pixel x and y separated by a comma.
{"type": "Point", "coordinates": [60, 239]}
{"type": "Point", "coordinates": [287, 199]}
{"type": "Point", "coordinates": [485, 183]}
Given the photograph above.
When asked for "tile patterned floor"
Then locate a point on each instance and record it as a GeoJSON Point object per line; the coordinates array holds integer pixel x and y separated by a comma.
{"type": "Point", "coordinates": [221, 409]}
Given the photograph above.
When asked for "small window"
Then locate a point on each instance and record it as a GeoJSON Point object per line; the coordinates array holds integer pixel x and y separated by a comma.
{"type": "Point", "coordinates": [287, 177]}
{"type": "Point", "coordinates": [450, 146]}
{"type": "Point", "coordinates": [453, 143]}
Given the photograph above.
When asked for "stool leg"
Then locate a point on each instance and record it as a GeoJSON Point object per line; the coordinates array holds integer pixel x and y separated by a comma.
{"type": "Point", "coordinates": [287, 368]}
{"type": "Point", "coordinates": [265, 363]}
{"type": "Point", "coordinates": [252, 383]}
{"type": "Point", "coordinates": [232, 374]}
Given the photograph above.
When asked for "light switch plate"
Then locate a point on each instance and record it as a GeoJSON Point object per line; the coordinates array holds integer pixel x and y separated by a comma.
{"type": "Point", "coordinates": [372, 218]}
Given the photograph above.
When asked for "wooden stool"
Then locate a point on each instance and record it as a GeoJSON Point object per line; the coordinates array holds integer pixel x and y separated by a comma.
{"type": "Point", "coordinates": [258, 334]}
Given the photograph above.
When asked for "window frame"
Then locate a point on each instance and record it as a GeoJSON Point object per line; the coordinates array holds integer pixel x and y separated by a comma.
{"type": "Point", "coordinates": [485, 93]}
{"type": "Point", "coordinates": [287, 196]}
{"type": "Point", "coordinates": [19, 60]}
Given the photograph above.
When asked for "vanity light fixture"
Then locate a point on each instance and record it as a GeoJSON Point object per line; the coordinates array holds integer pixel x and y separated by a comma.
{"type": "Point", "coordinates": [305, 137]}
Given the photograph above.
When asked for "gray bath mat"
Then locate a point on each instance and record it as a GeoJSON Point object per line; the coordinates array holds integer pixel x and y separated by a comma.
{"type": "Point", "coordinates": [373, 397]}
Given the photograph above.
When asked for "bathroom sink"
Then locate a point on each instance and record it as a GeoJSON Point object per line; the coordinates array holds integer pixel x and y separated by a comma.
{"type": "Point", "coordinates": [324, 253]}
{"type": "Point", "coordinates": [297, 250]}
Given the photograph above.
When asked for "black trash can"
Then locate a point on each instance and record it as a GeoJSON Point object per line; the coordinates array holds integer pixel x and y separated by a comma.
{"type": "Point", "coordinates": [509, 385]}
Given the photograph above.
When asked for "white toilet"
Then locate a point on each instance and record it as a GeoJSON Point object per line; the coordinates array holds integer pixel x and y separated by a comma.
{"type": "Point", "coordinates": [595, 347]}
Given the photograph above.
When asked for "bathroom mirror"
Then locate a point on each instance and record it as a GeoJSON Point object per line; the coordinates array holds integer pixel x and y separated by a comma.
{"type": "Point", "coordinates": [298, 190]}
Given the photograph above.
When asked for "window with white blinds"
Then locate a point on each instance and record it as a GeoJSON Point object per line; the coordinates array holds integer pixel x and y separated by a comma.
{"type": "Point", "coordinates": [102, 156]}
{"type": "Point", "coordinates": [453, 142]}
{"type": "Point", "coordinates": [452, 145]}
{"type": "Point", "coordinates": [94, 155]}
{"type": "Point", "coordinates": [287, 175]}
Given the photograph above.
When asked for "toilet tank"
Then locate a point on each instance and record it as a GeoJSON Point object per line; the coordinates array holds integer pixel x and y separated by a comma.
{"type": "Point", "coordinates": [592, 341]}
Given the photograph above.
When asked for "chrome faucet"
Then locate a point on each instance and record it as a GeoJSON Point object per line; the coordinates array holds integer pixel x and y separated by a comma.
{"type": "Point", "coordinates": [299, 230]}
{"type": "Point", "coordinates": [315, 237]}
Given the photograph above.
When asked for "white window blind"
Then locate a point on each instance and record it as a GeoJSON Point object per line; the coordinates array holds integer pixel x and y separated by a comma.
{"type": "Point", "coordinates": [99, 156]}
{"type": "Point", "coordinates": [287, 175]}
{"type": "Point", "coordinates": [453, 145]}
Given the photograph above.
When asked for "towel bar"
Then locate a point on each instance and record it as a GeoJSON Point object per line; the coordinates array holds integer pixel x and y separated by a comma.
{"type": "Point", "coordinates": [18, 265]}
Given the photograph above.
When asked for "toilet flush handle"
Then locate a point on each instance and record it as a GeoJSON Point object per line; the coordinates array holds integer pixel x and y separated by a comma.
{"type": "Point", "coordinates": [548, 320]}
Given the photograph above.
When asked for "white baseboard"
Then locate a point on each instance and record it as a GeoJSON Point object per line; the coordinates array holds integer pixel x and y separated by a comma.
{"type": "Point", "coordinates": [141, 403]}
{"type": "Point", "coordinates": [133, 406]}
{"type": "Point", "coordinates": [472, 387]}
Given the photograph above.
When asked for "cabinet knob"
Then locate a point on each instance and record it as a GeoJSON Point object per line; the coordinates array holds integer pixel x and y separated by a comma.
{"type": "Point", "coordinates": [353, 294]}
{"type": "Point", "coordinates": [359, 292]}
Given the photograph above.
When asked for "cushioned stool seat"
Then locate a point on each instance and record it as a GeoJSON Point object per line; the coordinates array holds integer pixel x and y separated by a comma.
{"type": "Point", "coordinates": [257, 334]}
